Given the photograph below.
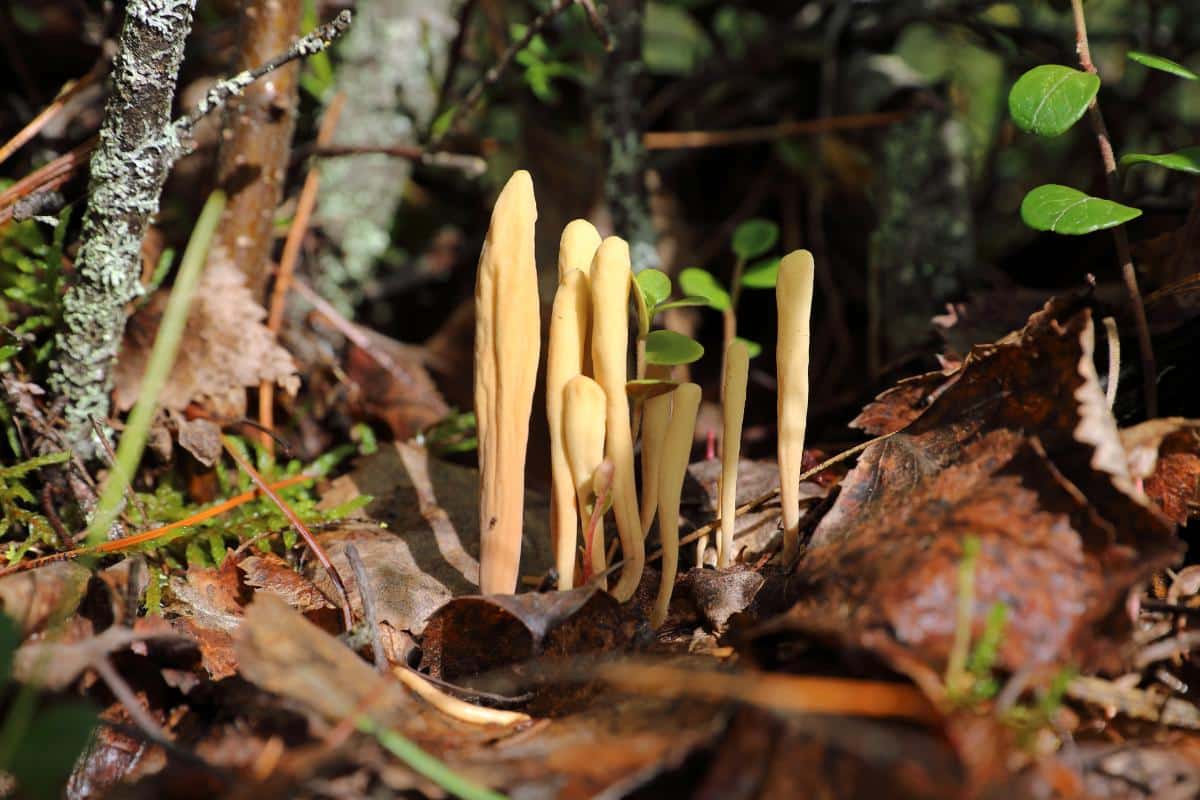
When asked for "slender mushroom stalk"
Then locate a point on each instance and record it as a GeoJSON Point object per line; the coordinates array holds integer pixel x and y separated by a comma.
{"type": "Point", "coordinates": [577, 246]}
{"type": "Point", "coordinates": [507, 334]}
{"type": "Point", "coordinates": [677, 447]}
{"type": "Point", "coordinates": [656, 411]}
{"type": "Point", "coordinates": [569, 323]}
{"type": "Point", "coordinates": [793, 297]}
{"type": "Point", "coordinates": [584, 407]}
{"type": "Point", "coordinates": [611, 277]}
{"type": "Point", "coordinates": [733, 412]}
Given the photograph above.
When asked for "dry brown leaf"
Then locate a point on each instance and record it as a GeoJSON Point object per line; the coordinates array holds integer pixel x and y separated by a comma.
{"type": "Point", "coordinates": [226, 349]}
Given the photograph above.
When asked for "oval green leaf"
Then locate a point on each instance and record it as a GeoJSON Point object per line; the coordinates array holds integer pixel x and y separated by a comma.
{"type": "Point", "coordinates": [1162, 64]}
{"type": "Point", "coordinates": [646, 388]}
{"type": "Point", "coordinates": [762, 274]}
{"type": "Point", "coordinates": [1061, 209]}
{"type": "Point", "coordinates": [1185, 160]}
{"type": "Point", "coordinates": [668, 348]}
{"type": "Point", "coordinates": [655, 286]}
{"type": "Point", "coordinates": [1049, 99]}
{"type": "Point", "coordinates": [700, 283]}
{"type": "Point", "coordinates": [754, 237]}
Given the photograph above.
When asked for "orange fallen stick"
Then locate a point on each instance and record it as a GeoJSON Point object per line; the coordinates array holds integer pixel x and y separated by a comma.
{"type": "Point", "coordinates": [127, 542]}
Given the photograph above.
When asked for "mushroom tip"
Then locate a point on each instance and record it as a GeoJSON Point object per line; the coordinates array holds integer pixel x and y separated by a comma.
{"type": "Point", "coordinates": [613, 254]}
{"type": "Point", "coordinates": [581, 230]}
{"type": "Point", "coordinates": [517, 193]}
{"type": "Point", "coordinates": [797, 260]}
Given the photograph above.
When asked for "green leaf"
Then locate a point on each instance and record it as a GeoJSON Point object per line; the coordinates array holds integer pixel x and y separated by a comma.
{"type": "Point", "coordinates": [441, 125]}
{"type": "Point", "coordinates": [10, 638]}
{"type": "Point", "coordinates": [47, 752]}
{"type": "Point", "coordinates": [684, 302]}
{"type": "Point", "coordinates": [1062, 209]}
{"type": "Point", "coordinates": [753, 348]}
{"type": "Point", "coordinates": [1049, 99]}
{"type": "Point", "coordinates": [754, 237]}
{"type": "Point", "coordinates": [1185, 160]}
{"type": "Point", "coordinates": [655, 286]}
{"type": "Point", "coordinates": [1162, 64]}
{"type": "Point", "coordinates": [673, 42]}
{"type": "Point", "coordinates": [667, 348]}
{"type": "Point", "coordinates": [645, 388]}
{"type": "Point", "coordinates": [762, 274]}
{"type": "Point", "coordinates": [700, 283]}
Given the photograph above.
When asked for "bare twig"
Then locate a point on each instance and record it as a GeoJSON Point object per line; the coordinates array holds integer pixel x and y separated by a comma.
{"type": "Point", "coordinates": [49, 177]}
{"type": "Point", "coordinates": [536, 26]}
{"type": "Point", "coordinates": [353, 333]}
{"type": "Point", "coordinates": [1114, 361]}
{"type": "Point", "coordinates": [472, 166]}
{"type": "Point", "coordinates": [305, 46]}
{"type": "Point", "coordinates": [68, 93]}
{"type": "Point", "coordinates": [680, 140]}
{"type": "Point", "coordinates": [289, 257]}
{"type": "Point", "coordinates": [120, 689]}
{"type": "Point", "coordinates": [300, 528]}
{"type": "Point", "coordinates": [1120, 235]}
{"type": "Point", "coordinates": [367, 597]}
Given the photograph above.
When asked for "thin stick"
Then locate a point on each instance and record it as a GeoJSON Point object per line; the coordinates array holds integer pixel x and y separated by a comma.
{"type": "Point", "coordinates": [297, 525]}
{"type": "Point", "coordinates": [46, 178]}
{"type": "Point", "coordinates": [120, 689]}
{"type": "Point", "coordinates": [353, 333]}
{"type": "Point", "coordinates": [761, 500]}
{"type": "Point", "coordinates": [316, 41]}
{"type": "Point", "coordinates": [536, 26]}
{"type": "Point", "coordinates": [367, 598]}
{"type": "Point", "coordinates": [1120, 235]}
{"type": "Point", "coordinates": [470, 165]}
{"type": "Point", "coordinates": [1114, 361]}
{"type": "Point", "coordinates": [683, 140]}
{"type": "Point", "coordinates": [69, 92]}
{"type": "Point", "coordinates": [288, 259]}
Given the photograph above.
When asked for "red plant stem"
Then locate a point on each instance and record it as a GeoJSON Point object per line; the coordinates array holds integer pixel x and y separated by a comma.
{"type": "Point", "coordinates": [1128, 273]}
{"type": "Point", "coordinates": [298, 526]}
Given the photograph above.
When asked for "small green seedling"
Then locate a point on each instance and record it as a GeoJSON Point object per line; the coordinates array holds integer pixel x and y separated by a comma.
{"type": "Point", "coordinates": [752, 269]}
{"type": "Point", "coordinates": [652, 292]}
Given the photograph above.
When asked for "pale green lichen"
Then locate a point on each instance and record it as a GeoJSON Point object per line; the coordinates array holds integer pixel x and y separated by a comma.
{"type": "Point", "coordinates": [136, 148]}
{"type": "Point", "coordinates": [387, 63]}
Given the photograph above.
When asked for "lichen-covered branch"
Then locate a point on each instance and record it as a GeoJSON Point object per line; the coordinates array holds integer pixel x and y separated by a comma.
{"type": "Point", "coordinates": [137, 146]}
{"type": "Point", "coordinates": [128, 169]}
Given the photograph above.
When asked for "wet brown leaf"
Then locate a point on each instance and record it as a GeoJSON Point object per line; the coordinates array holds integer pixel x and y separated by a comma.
{"type": "Point", "coordinates": [472, 635]}
{"type": "Point", "coordinates": [1020, 451]}
{"type": "Point", "coordinates": [1166, 453]}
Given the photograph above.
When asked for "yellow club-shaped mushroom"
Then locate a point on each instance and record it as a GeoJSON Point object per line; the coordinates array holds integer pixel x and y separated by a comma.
{"type": "Point", "coordinates": [507, 334]}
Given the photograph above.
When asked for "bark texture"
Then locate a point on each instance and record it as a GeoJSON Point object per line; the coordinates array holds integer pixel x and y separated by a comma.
{"type": "Point", "coordinates": [256, 142]}
{"type": "Point", "coordinates": [136, 147]}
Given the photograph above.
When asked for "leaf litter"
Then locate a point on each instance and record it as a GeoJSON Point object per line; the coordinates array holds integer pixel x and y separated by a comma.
{"type": "Point", "coordinates": [832, 676]}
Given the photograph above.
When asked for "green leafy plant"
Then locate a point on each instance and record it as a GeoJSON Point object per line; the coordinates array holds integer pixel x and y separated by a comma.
{"type": "Point", "coordinates": [651, 293]}
{"type": "Point", "coordinates": [31, 280]}
{"type": "Point", "coordinates": [1049, 100]}
{"type": "Point", "coordinates": [16, 499]}
{"type": "Point", "coordinates": [752, 269]}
